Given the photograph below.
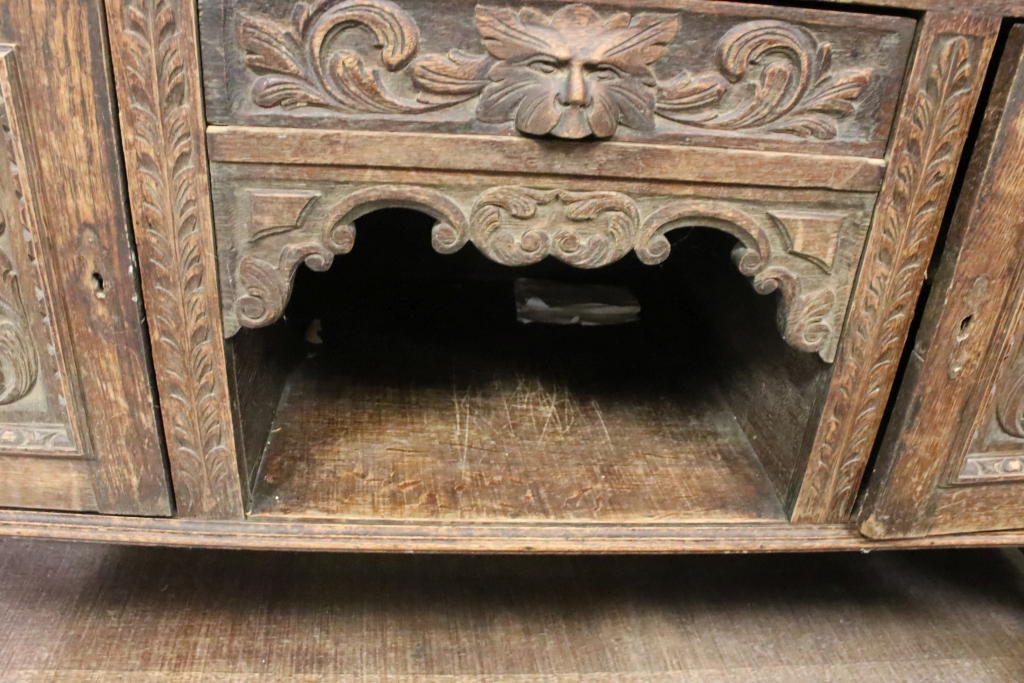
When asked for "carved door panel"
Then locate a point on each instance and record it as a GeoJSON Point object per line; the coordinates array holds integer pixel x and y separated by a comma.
{"type": "Point", "coordinates": [953, 457]}
{"type": "Point", "coordinates": [77, 420]}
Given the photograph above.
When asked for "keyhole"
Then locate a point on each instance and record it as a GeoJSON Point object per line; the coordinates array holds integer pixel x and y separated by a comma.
{"type": "Point", "coordinates": [97, 285]}
{"type": "Point", "coordinates": [965, 328]}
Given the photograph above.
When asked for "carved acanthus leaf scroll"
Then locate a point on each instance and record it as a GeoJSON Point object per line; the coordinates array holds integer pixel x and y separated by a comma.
{"type": "Point", "coordinates": [796, 92]}
{"type": "Point", "coordinates": [516, 225]}
{"type": "Point", "coordinates": [573, 74]}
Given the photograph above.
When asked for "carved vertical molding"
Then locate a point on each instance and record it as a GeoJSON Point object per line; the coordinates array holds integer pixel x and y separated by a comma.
{"type": "Point", "coordinates": [156, 68]}
{"type": "Point", "coordinates": [949, 70]}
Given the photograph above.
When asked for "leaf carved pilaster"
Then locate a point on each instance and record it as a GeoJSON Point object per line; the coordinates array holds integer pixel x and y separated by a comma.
{"type": "Point", "coordinates": [156, 72]}
{"type": "Point", "coordinates": [949, 70]}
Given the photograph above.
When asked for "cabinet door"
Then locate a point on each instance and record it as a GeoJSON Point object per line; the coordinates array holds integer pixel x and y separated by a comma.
{"type": "Point", "coordinates": [78, 428]}
{"type": "Point", "coordinates": [952, 459]}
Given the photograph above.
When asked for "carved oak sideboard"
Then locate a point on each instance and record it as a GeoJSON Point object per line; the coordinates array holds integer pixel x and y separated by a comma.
{"type": "Point", "coordinates": [332, 202]}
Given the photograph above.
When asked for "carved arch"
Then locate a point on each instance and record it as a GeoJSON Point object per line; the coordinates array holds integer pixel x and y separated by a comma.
{"type": "Point", "coordinates": [805, 313]}
{"type": "Point", "coordinates": [448, 235]}
{"type": "Point", "coordinates": [263, 287]}
{"type": "Point", "coordinates": [517, 225]}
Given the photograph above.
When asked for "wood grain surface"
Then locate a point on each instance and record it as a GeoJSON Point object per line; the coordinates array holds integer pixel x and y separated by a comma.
{"type": "Point", "coordinates": [945, 409]}
{"type": "Point", "coordinates": [73, 613]}
{"type": "Point", "coordinates": [156, 70]}
{"type": "Point", "coordinates": [428, 151]}
{"type": "Point", "coordinates": [71, 179]}
{"type": "Point", "coordinates": [950, 66]}
{"type": "Point", "coordinates": [673, 73]}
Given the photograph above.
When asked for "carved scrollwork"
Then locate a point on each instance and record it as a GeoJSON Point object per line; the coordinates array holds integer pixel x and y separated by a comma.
{"type": "Point", "coordinates": [805, 312]}
{"type": "Point", "coordinates": [584, 229]}
{"type": "Point", "coordinates": [805, 318]}
{"type": "Point", "coordinates": [448, 235]}
{"type": "Point", "coordinates": [263, 287]}
{"type": "Point", "coordinates": [573, 74]}
{"type": "Point", "coordinates": [652, 247]}
{"type": "Point", "coordinates": [299, 67]}
{"type": "Point", "coordinates": [796, 92]}
{"type": "Point", "coordinates": [517, 225]}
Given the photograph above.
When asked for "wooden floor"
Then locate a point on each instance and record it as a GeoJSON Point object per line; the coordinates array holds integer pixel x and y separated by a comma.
{"type": "Point", "coordinates": [75, 613]}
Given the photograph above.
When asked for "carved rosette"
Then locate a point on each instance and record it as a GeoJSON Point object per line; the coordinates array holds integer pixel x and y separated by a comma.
{"type": "Point", "coordinates": [574, 74]}
{"type": "Point", "coordinates": [516, 226]}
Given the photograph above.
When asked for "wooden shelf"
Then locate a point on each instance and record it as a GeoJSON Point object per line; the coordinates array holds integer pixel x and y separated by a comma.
{"type": "Point", "coordinates": [519, 447]}
{"type": "Point", "coordinates": [446, 408]}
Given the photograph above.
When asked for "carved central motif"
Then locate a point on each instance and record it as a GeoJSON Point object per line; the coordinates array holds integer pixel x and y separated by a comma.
{"type": "Point", "coordinates": [574, 74]}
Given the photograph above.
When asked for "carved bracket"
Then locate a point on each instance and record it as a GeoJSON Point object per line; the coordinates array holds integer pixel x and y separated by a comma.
{"type": "Point", "coordinates": [572, 74]}
{"type": "Point", "coordinates": [516, 225]}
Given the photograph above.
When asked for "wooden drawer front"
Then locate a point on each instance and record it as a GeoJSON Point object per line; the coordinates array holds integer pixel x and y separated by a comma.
{"type": "Point", "coordinates": [805, 244]}
{"type": "Point", "coordinates": [704, 73]}
{"type": "Point", "coordinates": [39, 405]}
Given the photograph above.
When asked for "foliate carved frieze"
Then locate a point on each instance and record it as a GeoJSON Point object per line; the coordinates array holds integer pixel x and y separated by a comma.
{"type": "Point", "coordinates": [518, 225]}
{"type": "Point", "coordinates": [572, 73]}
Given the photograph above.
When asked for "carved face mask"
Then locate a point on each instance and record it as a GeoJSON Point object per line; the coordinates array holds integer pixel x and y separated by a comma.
{"type": "Point", "coordinates": [573, 74]}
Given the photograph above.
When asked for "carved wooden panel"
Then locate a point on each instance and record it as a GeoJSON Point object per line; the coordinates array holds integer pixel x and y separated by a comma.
{"type": "Point", "coordinates": [948, 74]}
{"type": "Point", "coordinates": [587, 224]}
{"type": "Point", "coordinates": [995, 451]}
{"type": "Point", "coordinates": [39, 400]}
{"type": "Point", "coordinates": [158, 86]}
{"type": "Point", "coordinates": [707, 72]}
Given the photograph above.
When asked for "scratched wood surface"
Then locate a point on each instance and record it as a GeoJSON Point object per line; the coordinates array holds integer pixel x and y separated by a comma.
{"type": "Point", "coordinates": [448, 408]}
{"type": "Point", "coordinates": [82, 613]}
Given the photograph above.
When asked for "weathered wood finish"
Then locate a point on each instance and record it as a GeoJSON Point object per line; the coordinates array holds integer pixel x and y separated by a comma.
{"type": "Point", "coordinates": [78, 428]}
{"type": "Point", "coordinates": [159, 92]}
{"type": "Point", "coordinates": [952, 56]}
{"type": "Point", "coordinates": [435, 151]}
{"type": "Point", "coordinates": [776, 125]}
{"type": "Point", "coordinates": [682, 72]}
{"type": "Point", "coordinates": [448, 536]}
{"type": "Point", "coordinates": [948, 459]}
{"type": "Point", "coordinates": [805, 245]}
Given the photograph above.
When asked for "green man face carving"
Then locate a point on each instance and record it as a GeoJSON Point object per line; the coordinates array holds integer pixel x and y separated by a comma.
{"type": "Point", "coordinates": [574, 74]}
